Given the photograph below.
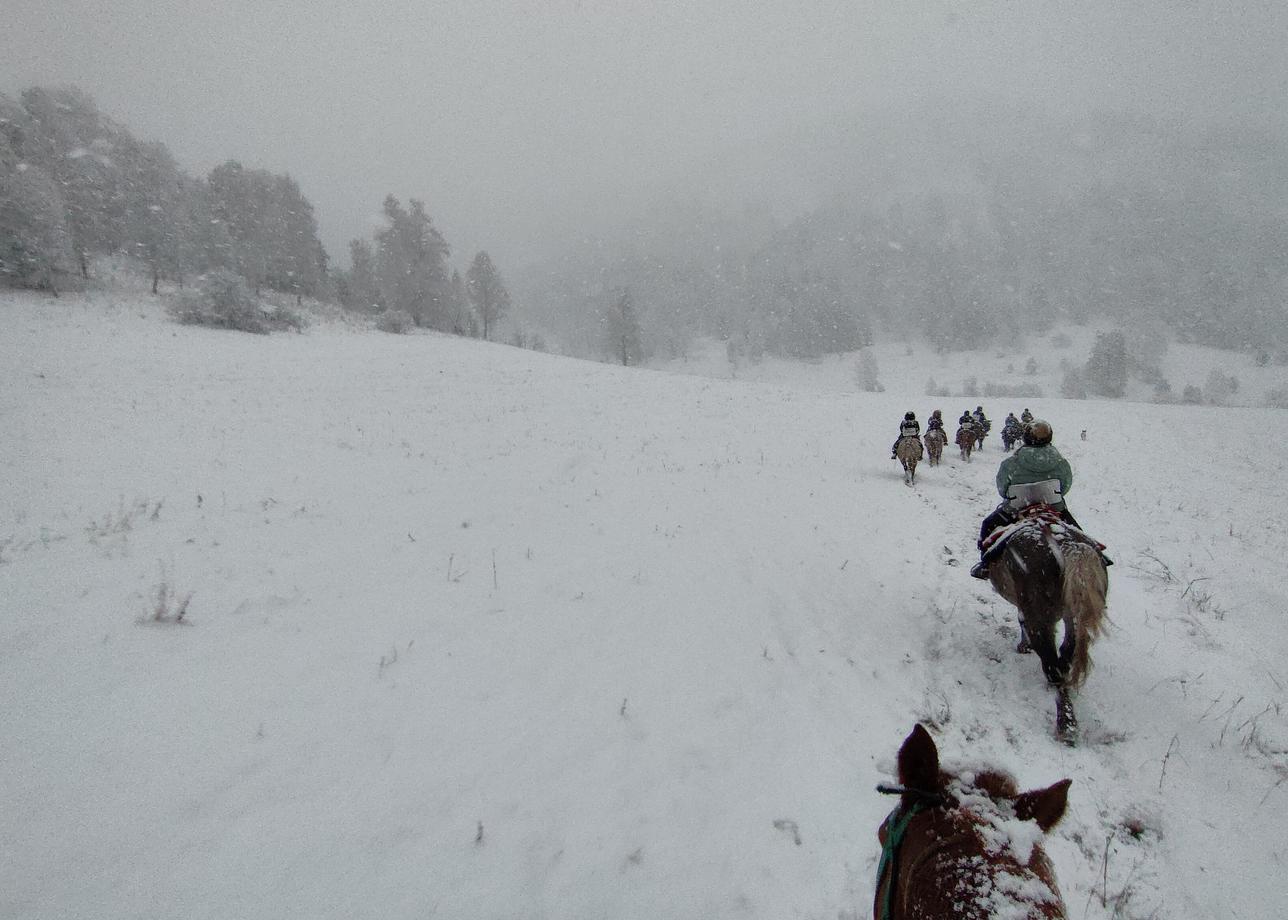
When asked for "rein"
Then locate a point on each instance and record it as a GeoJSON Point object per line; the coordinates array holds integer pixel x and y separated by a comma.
{"type": "Point", "coordinates": [897, 826]}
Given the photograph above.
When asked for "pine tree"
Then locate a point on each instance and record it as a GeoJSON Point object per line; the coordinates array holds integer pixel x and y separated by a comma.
{"type": "Point", "coordinates": [363, 293]}
{"type": "Point", "coordinates": [622, 330]}
{"type": "Point", "coordinates": [1106, 372]}
{"type": "Point", "coordinates": [486, 292]}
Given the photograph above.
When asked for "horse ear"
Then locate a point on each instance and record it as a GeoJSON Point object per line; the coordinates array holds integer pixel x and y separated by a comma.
{"type": "Point", "coordinates": [919, 760]}
{"type": "Point", "coordinates": [1045, 806]}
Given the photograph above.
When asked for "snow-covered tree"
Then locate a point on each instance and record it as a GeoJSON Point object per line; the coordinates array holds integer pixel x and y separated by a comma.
{"type": "Point", "coordinates": [35, 244]}
{"type": "Point", "coordinates": [486, 292]}
{"type": "Point", "coordinates": [363, 293]}
{"type": "Point", "coordinates": [1106, 372]}
{"type": "Point", "coordinates": [411, 261]}
{"type": "Point", "coordinates": [622, 330]}
{"type": "Point", "coordinates": [88, 155]}
{"type": "Point", "coordinates": [866, 373]}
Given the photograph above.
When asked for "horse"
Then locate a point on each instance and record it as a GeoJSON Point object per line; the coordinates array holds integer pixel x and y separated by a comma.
{"type": "Point", "coordinates": [966, 441]}
{"type": "Point", "coordinates": [936, 438]}
{"type": "Point", "coordinates": [954, 847]}
{"type": "Point", "coordinates": [981, 432]}
{"type": "Point", "coordinates": [909, 452]}
{"type": "Point", "coordinates": [1010, 437]}
{"type": "Point", "coordinates": [1054, 573]}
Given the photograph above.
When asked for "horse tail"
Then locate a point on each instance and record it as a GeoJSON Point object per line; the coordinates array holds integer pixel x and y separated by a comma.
{"type": "Point", "coordinates": [1085, 585]}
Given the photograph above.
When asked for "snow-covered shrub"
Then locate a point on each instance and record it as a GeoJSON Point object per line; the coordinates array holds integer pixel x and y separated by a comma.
{"type": "Point", "coordinates": [1013, 390]}
{"type": "Point", "coordinates": [1220, 387]}
{"type": "Point", "coordinates": [1277, 398]}
{"type": "Point", "coordinates": [1031, 366]}
{"type": "Point", "coordinates": [970, 386]}
{"type": "Point", "coordinates": [399, 322]}
{"type": "Point", "coordinates": [1192, 395]}
{"type": "Point", "coordinates": [223, 300]}
{"type": "Point", "coordinates": [1163, 392]}
{"type": "Point", "coordinates": [934, 389]}
{"type": "Point", "coordinates": [167, 605]}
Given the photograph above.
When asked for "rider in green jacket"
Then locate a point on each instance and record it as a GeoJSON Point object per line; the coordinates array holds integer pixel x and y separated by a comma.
{"type": "Point", "coordinates": [1037, 461]}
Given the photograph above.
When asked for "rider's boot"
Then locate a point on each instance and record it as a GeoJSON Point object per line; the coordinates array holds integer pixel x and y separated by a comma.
{"type": "Point", "coordinates": [979, 570]}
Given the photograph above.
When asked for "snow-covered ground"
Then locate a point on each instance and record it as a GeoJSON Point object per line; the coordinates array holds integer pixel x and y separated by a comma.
{"type": "Point", "coordinates": [480, 632]}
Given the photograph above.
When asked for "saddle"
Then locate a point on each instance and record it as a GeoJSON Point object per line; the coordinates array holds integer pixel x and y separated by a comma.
{"type": "Point", "coordinates": [1034, 502]}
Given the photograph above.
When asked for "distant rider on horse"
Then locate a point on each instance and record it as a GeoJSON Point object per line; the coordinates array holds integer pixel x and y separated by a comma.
{"type": "Point", "coordinates": [1036, 461]}
{"type": "Point", "coordinates": [1026, 416]}
{"type": "Point", "coordinates": [908, 428]}
{"type": "Point", "coordinates": [936, 422]}
{"type": "Point", "coordinates": [982, 424]}
{"type": "Point", "coordinates": [1012, 430]}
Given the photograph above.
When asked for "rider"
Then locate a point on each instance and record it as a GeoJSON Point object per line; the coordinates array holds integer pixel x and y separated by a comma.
{"type": "Point", "coordinates": [967, 421]}
{"type": "Point", "coordinates": [981, 422]}
{"type": "Point", "coordinates": [1011, 428]}
{"type": "Point", "coordinates": [936, 422]}
{"type": "Point", "coordinates": [1026, 416]}
{"type": "Point", "coordinates": [908, 428]}
{"type": "Point", "coordinates": [1036, 461]}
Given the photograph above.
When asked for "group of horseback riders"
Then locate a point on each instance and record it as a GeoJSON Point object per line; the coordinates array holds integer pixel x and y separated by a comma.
{"type": "Point", "coordinates": [1036, 475]}
{"type": "Point", "coordinates": [975, 423]}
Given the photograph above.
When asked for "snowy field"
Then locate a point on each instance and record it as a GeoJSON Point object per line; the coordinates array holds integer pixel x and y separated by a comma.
{"type": "Point", "coordinates": [477, 632]}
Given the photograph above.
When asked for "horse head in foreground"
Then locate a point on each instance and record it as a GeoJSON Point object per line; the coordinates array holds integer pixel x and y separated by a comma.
{"type": "Point", "coordinates": [965, 846]}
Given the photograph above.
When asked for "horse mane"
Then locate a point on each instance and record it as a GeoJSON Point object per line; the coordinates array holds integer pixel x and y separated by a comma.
{"type": "Point", "coordinates": [982, 858]}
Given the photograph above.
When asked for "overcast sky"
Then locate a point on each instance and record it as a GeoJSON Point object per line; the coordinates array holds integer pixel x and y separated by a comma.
{"type": "Point", "coordinates": [509, 117]}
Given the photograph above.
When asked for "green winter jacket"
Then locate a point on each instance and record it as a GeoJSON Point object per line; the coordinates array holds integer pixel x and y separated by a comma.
{"type": "Point", "coordinates": [1034, 464]}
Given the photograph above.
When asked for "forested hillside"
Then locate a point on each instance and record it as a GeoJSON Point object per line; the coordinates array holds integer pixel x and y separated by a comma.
{"type": "Point", "coordinates": [961, 226]}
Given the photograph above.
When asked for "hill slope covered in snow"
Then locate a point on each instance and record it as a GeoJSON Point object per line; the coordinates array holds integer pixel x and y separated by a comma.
{"type": "Point", "coordinates": [480, 632]}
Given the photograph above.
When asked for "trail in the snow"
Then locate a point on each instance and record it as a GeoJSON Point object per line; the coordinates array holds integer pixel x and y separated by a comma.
{"type": "Point", "coordinates": [991, 704]}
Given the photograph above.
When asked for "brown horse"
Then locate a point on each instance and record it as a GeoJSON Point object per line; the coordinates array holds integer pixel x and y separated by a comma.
{"type": "Point", "coordinates": [957, 848]}
{"type": "Point", "coordinates": [966, 441]}
{"type": "Point", "coordinates": [1053, 573]}
{"type": "Point", "coordinates": [936, 438]}
{"type": "Point", "coordinates": [909, 453]}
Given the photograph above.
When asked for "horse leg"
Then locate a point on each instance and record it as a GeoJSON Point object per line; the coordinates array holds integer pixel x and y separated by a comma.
{"type": "Point", "coordinates": [1043, 642]}
{"type": "Point", "coordinates": [1025, 646]}
{"type": "Point", "coordinates": [1066, 720]}
{"type": "Point", "coordinates": [1068, 645]}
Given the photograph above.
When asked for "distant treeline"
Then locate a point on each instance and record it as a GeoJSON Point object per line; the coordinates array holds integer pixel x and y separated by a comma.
{"type": "Point", "coordinates": [75, 185]}
{"type": "Point", "coordinates": [1180, 231]}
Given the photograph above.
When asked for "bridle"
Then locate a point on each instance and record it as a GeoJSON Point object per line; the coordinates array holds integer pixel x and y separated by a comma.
{"type": "Point", "coordinates": [896, 825]}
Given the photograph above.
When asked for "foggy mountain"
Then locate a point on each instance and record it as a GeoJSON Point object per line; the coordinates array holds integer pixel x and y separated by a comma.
{"type": "Point", "coordinates": [956, 223]}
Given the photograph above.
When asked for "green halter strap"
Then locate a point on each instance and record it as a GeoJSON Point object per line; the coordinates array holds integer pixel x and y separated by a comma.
{"type": "Point", "coordinates": [890, 854]}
